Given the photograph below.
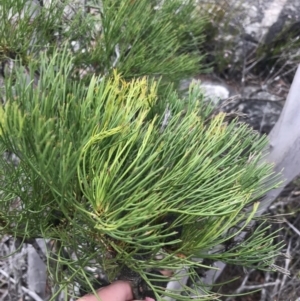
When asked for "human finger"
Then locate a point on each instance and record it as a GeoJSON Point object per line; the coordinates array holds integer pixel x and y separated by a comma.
{"type": "Point", "coordinates": [117, 291]}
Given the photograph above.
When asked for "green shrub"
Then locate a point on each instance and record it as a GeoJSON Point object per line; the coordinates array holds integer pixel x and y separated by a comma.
{"type": "Point", "coordinates": [105, 175]}
{"type": "Point", "coordinates": [114, 167]}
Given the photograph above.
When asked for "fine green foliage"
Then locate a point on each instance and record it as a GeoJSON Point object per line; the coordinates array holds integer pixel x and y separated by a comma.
{"type": "Point", "coordinates": [222, 32]}
{"type": "Point", "coordinates": [143, 38]}
{"type": "Point", "coordinates": [113, 166]}
{"type": "Point", "coordinates": [105, 174]}
{"type": "Point", "coordinates": [139, 38]}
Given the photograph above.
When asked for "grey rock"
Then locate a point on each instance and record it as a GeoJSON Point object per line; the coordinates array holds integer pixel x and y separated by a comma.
{"type": "Point", "coordinates": [72, 8]}
{"type": "Point", "coordinates": [264, 20]}
{"type": "Point", "coordinates": [260, 109]}
{"type": "Point", "coordinates": [255, 106]}
{"type": "Point", "coordinates": [213, 90]}
{"type": "Point", "coordinates": [37, 270]}
{"type": "Point", "coordinates": [31, 8]}
{"type": "Point", "coordinates": [247, 24]}
{"type": "Point", "coordinates": [258, 92]}
{"type": "Point", "coordinates": [260, 114]}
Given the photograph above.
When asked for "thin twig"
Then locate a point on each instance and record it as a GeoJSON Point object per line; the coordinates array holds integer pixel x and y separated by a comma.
{"type": "Point", "coordinates": [292, 227]}
{"type": "Point", "coordinates": [117, 52]}
{"type": "Point", "coordinates": [287, 264]}
{"type": "Point", "coordinates": [263, 294]}
{"type": "Point", "coordinates": [32, 294]}
{"type": "Point", "coordinates": [167, 116]}
{"type": "Point", "coordinates": [243, 71]}
{"type": "Point", "coordinates": [241, 288]}
{"type": "Point", "coordinates": [258, 286]}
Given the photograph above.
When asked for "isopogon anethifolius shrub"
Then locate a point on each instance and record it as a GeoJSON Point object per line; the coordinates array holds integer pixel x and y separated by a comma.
{"type": "Point", "coordinates": [122, 179]}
